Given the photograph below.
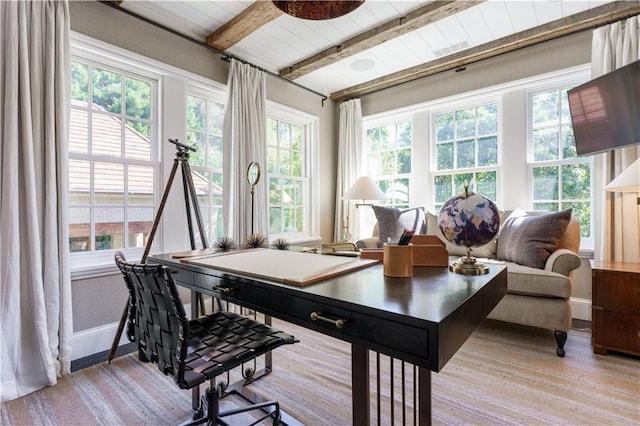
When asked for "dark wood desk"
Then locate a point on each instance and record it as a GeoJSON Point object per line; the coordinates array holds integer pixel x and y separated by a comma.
{"type": "Point", "coordinates": [422, 320]}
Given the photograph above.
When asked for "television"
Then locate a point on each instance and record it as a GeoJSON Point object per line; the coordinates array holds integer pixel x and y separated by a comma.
{"type": "Point", "coordinates": [605, 112]}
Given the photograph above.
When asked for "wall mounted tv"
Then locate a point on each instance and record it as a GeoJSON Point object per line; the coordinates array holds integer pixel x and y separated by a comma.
{"type": "Point", "coordinates": [605, 111]}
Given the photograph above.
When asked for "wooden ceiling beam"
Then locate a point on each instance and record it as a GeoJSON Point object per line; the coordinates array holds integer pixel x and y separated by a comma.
{"type": "Point", "coordinates": [418, 18]}
{"type": "Point", "coordinates": [591, 18]}
{"type": "Point", "coordinates": [250, 19]}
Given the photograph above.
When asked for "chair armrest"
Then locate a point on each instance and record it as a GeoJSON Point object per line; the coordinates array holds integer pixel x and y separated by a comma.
{"type": "Point", "coordinates": [563, 261]}
{"type": "Point", "coordinates": [371, 242]}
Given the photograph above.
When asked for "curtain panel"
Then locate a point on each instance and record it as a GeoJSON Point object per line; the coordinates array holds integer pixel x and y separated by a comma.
{"type": "Point", "coordinates": [614, 46]}
{"type": "Point", "coordinates": [244, 132]}
{"type": "Point", "coordinates": [35, 286]}
{"type": "Point", "coordinates": [349, 167]}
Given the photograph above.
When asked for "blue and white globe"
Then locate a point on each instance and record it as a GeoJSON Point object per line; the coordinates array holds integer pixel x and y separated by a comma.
{"type": "Point", "coordinates": [469, 219]}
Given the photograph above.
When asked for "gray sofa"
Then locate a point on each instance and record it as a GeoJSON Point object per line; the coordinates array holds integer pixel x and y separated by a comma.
{"type": "Point", "coordinates": [536, 296]}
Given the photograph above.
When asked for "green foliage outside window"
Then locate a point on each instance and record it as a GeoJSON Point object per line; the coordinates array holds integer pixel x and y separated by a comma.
{"type": "Point", "coordinates": [560, 179]}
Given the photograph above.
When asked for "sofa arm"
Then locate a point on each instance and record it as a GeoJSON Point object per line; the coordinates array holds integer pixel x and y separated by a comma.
{"type": "Point", "coordinates": [563, 261]}
{"type": "Point", "coordinates": [371, 242]}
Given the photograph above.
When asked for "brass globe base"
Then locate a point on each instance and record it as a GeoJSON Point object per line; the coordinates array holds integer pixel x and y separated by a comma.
{"type": "Point", "coordinates": [468, 265]}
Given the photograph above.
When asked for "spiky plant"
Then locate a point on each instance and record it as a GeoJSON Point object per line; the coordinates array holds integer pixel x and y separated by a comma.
{"type": "Point", "coordinates": [280, 244]}
{"type": "Point", "coordinates": [225, 243]}
{"type": "Point", "coordinates": [256, 241]}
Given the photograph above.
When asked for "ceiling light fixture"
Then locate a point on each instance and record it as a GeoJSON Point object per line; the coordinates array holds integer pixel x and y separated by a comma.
{"type": "Point", "coordinates": [317, 10]}
{"type": "Point", "coordinates": [363, 65]}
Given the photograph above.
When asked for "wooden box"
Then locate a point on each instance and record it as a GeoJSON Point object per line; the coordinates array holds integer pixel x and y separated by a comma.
{"type": "Point", "coordinates": [371, 253]}
{"type": "Point", "coordinates": [429, 250]}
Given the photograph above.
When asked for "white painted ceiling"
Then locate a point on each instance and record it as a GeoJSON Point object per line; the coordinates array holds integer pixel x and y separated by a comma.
{"type": "Point", "coordinates": [286, 40]}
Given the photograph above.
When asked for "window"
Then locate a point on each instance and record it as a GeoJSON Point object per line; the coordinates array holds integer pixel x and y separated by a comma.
{"type": "Point", "coordinates": [560, 179]}
{"type": "Point", "coordinates": [287, 178]}
{"type": "Point", "coordinates": [389, 160]}
{"type": "Point", "coordinates": [113, 163]}
{"type": "Point", "coordinates": [205, 119]}
{"type": "Point", "coordinates": [466, 152]}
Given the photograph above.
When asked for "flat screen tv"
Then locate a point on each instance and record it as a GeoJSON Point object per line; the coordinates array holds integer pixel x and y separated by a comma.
{"type": "Point", "coordinates": [605, 111]}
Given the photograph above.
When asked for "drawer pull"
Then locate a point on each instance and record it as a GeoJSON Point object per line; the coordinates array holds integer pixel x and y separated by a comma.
{"type": "Point", "coordinates": [225, 290]}
{"type": "Point", "coordinates": [339, 323]}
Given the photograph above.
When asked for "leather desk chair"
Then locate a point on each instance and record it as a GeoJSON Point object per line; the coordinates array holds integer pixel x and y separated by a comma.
{"type": "Point", "coordinates": [194, 351]}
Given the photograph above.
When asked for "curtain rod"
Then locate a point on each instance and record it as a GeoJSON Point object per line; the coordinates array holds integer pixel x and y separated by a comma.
{"type": "Point", "coordinates": [224, 56]}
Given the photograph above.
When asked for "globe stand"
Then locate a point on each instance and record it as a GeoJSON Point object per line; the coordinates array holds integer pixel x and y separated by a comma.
{"type": "Point", "coordinates": [468, 265]}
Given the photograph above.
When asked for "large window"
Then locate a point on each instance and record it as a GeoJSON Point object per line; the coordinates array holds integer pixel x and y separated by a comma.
{"type": "Point", "coordinates": [112, 158]}
{"type": "Point", "coordinates": [388, 149]}
{"type": "Point", "coordinates": [204, 132]}
{"type": "Point", "coordinates": [466, 152]}
{"type": "Point", "coordinates": [560, 179]}
{"type": "Point", "coordinates": [287, 178]}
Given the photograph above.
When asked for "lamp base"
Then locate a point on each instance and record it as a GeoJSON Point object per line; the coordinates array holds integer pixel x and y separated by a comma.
{"type": "Point", "coordinates": [468, 265]}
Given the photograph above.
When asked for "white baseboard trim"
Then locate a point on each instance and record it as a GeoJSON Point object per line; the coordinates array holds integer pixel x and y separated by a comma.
{"type": "Point", "coordinates": [99, 339]}
{"type": "Point", "coordinates": [581, 308]}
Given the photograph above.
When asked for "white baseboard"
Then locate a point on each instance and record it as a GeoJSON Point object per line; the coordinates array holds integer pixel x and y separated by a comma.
{"type": "Point", "coordinates": [99, 339]}
{"type": "Point", "coordinates": [581, 308]}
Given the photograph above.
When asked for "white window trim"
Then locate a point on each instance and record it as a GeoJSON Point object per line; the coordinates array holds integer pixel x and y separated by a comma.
{"type": "Point", "coordinates": [310, 124]}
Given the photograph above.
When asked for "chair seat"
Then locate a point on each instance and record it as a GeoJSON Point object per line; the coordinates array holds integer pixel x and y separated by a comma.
{"type": "Point", "coordinates": [222, 341]}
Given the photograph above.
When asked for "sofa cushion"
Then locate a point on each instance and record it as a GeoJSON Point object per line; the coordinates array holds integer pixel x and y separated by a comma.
{"type": "Point", "coordinates": [530, 240]}
{"type": "Point", "coordinates": [393, 221]}
{"type": "Point", "coordinates": [433, 228]}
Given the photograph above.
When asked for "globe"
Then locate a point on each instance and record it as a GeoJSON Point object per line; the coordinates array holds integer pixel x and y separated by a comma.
{"type": "Point", "coordinates": [470, 220]}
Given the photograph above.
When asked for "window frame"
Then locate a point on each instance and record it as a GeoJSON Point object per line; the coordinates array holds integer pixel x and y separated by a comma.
{"type": "Point", "coordinates": [553, 84]}
{"type": "Point", "coordinates": [310, 129]}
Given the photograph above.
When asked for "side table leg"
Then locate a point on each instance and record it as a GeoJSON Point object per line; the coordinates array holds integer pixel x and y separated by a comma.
{"type": "Point", "coordinates": [360, 384]}
{"type": "Point", "coordinates": [424, 393]}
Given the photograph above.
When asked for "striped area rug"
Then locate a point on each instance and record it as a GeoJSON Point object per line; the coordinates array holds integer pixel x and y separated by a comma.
{"type": "Point", "coordinates": [504, 374]}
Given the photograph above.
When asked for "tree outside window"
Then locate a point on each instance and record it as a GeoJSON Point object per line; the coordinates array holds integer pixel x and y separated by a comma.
{"type": "Point", "coordinates": [205, 119]}
{"type": "Point", "coordinates": [287, 178]}
{"type": "Point", "coordinates": [389, 160]}
{"type": "Point", "coordinates": [466, 152]}
{"type": "Point", "coordinates": [560, 179]}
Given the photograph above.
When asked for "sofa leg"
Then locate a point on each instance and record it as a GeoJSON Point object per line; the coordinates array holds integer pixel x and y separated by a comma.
{"type": "Point", "coordinates": [561, 338]}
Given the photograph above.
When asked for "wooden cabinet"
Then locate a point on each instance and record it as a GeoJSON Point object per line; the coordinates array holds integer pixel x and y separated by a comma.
{"type": "Point", "coordinates": [615, 307]}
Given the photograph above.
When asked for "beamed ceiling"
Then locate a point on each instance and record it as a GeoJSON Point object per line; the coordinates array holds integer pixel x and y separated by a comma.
{"type": "Point", "coordinates": [382, 43]}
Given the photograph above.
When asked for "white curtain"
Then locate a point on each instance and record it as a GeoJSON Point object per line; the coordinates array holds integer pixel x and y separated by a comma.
{"type": "Point", "coordinates": [614, 46]}
{"type": "Point", "coordinates": [245, 123]}
{"type": "Point", "coordinates": [349, 166]}
{"type": "Point", "coordinates": [35, 317]}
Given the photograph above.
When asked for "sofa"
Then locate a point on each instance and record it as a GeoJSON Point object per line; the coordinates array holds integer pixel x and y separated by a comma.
{"type": "Point", "coordinates": [540, 252]}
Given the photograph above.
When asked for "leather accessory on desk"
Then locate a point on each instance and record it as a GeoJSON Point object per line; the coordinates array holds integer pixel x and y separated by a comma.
{"type": "Point", "coordinates": [429, 250]}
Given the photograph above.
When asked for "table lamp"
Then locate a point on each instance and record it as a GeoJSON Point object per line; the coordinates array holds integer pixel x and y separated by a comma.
{"type": "Point", "coordinates": [627, 181]}
{"type": "Point", "coordinates": [365, 188]}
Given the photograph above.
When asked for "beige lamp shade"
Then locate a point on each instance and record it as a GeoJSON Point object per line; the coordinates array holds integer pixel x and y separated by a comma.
{"type": "Point", "coordinates": [365, 188]}
{"type": "Point", "coordinates": [627, 181]}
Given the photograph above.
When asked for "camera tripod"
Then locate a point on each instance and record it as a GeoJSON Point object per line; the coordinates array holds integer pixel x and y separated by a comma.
{"type": "Point", "coordinates": [190, 197]}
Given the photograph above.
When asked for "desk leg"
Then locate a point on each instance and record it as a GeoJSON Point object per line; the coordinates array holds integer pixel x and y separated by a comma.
{"type": "Point", "coordinates": [360, 384]}
{"type": "Point", "coordinates": [195, 392]}
{"type": "Point", "coordinates": [424, 393]}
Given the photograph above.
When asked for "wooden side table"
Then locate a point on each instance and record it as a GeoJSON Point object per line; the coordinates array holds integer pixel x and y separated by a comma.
{"type": "Point", "coordinates": [615, 307]}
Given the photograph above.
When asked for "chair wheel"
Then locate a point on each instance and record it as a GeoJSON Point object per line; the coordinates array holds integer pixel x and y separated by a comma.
{"type": "Point", "coordinates": [560, 352]}
{"type": "Point", "coordinates": [248, 373]}
{"type": "Point", "coordinates": [197, 414]}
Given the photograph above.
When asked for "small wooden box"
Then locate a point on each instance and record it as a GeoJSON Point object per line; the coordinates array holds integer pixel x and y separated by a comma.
{"type": "Point", "coordinates": [429, 250]}
{"type": "Point", "coordinates": [371, 253]}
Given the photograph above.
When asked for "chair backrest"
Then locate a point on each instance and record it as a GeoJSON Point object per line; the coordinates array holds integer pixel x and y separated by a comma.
{"type": "Point", "coordinates": [161, 324]}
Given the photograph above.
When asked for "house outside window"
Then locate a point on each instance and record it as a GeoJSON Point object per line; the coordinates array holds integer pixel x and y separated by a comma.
{"type": "Point", "coordinates": [466, 152]}
{"type": "Point", "coordinates": [559, 178]}
{"type": "Point", "coordinates": [113, 164]}
{"type": "Point", "coordinates": [388, 151]}
{"type": "Point", "coordinates": [205, 117]}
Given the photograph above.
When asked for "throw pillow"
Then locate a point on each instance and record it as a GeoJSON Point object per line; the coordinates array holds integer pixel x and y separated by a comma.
{"type": "Point", "coordinates": [392, 221]}
{"type": "Point", "coordinates": [530, 240]}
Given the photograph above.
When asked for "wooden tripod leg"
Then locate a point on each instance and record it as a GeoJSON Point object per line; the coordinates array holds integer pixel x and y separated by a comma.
{"type": "Point", "coordinates": [116, 339]}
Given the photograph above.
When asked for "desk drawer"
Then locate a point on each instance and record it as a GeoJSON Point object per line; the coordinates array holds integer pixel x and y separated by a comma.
{"type": "Point", "coordinates": [346, 324]}
{"type": "Point", "coordinates": [232, 290]}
